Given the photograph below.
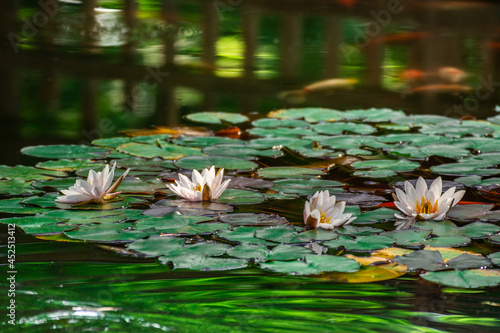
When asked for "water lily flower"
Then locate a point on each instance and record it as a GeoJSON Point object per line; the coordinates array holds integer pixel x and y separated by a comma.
{"type": "Point", "coordinates": [322, 211]}
{"type": "Point", "coordinates": [424, 203]}
{"type": "Point", "coordinates": [97, 188]}
{"type": "Point", "coordinates": [206, 186]}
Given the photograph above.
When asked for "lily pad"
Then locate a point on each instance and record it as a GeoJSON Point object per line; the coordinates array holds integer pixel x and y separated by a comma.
{"type": "Point", "coordinates": [426, 260]}
{"type": "Point", "coordinates": [287, 172]}
{"type": "Point", "coordinates": [242, 151]}
{"type": "Point", "coordinates": [361, 243]}
{"type": "Point", "coordinates": [39, 224]}
{"type": "Point", "coordinates": [69, 165]}
{"type": "Point", "coordinates": [111, 142]}
{"type": "Point", "coordinates": [251, 219]}
{"type": "Point", "coordinates": [273, 122]}
{"type": "Point", "coordinates": [244, 235]}
{"type": "Point", "coordinates": [201, 162]}
{"type": "Point", "coordinates": [341, 127]}
{"type": "Point", "coordinates": [312, 265]}
{"type": "Point", "coordinates": [448, 241]}
{"type": "Point", "coordinates": [311, 115]}
{"type": "Point", "coordinates": [257, 252]}
{"type": "Point", "coordinates": [217, 117]}
{"type": "Point", "coordinates": [202, 263]}
{"type": "Point", "coordinates": [170, 222]}
{"type": "Point", "coordinates": [288, 252]}
{"type": "Point", "coordinates": [409, 237]}
{"type": "Point", "coordinates": [450, 151]}
{"type": "Point", "coordinates": [166, 206]}
{"type": "Point", "coordinates": [474, 278]}
{"type": "Point", "coordinates": [420, 120]}
{"type": "Point", "coordinates": [204, 141]}
{"type": "Point", "coordinates": [166, 151]}
{"type": "Point", "coordinates": [235, 196]}
{"type": "Point", "coordinates": [16, 186]}
{"type": "Point", "coordinates": [65, 151]}
{"type": "Point", "coordinates": [280, 234]}
{"type": "Point", "coordinates": [28, 173]}
{"type": "Point", "coordinates": [109, 233]}
{"type": "Point", "coordinates": [379, 215]}
{"type": "Point", "coordinates": [346, 142]}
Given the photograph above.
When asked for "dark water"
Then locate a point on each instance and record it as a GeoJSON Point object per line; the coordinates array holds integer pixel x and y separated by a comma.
{"type": "Point", "coordinates": [72, 72]}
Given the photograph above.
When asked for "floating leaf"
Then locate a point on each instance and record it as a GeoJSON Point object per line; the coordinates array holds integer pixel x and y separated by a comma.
{"type": "Point", "coordinates": [28, 173]}
{"type": "Point", "coordinates": [170, 222]}
{"type": "Point", "coordinates": [234, 196]}
{"type": "Point", "coordinates": [167, 151]}
{"type": "Point", "coordinates": [346, 142]}
{"type": "Point", "coordinates": [280, 234]}
{"type": "Point", "coordinates": [450, 151]}
{"type": "Point", "coordinates": [111, 142]}
{"type": "Point", "coordinates": [468, 261]}
{"type": "Point", "coordinates": [427, 260]}
{"type": "Point", "coordinates": [217, 117]}
{"type": "Point", "coordinates": [495, 258]}
{"type": "Point", "coordinates": [448, 241]}
{"type": "Point", "coordinates": [368, 274]}
{"type": "Point", "coordinates": [150, 138]}
{"type": "Point", "coordinates": [313, 264]}
{"type": "Point", "coordinates": [420, 120]}
{"type": "Point", "coordinates": [202, 263]}
{"type": "Point", "coordinates": [374, 115]}
{"type": "Point", "coordinates": [251, 219]}
{"type": "Point", "coordinates": [379, 215]}
{"type": "Point", "coordinates": [474, 278]}
{"type": "Point", "coordinates": [456, 131]}
{"type": "Point", "coordinates": [288, 252]}
{"type": "Point", "coordinates": [361, 243]}
{"type": "Point", "coordinates": [409, 237]}
{"type": "Point", "coordinates": [164, 207]}
{"type": "Point", "coordinates": [311, 115]}
{"type": "Point", "coordinates": [140, 164]}
{"type": "Point", "coordinates": [202, 162]}
{"type": "Point", "coordinates": [39, 224]}
{"type": "Point", "coordinates": [340, 127]}
{"type": "Point", "coordinates": [382, 167]}
{"type": "Point", "coordinates": [65, 151]}
{"type": "Point", "coordinates": [258, 252]}
{"type": "Point", "coordinates": [205, 141]}
{"type": "Point", "coordinates": [416, 139]}
{"type": "Point", "coordinates": [109, 233]}
{"type": "Point", "coordinates": [273, 122]}
{"type": "Point", "coordinates": [14, 206]}
{"type": "Point", "coordinates": [69, 165]}
{"type": "Point", "coordinates": [242, 151]}
{"type": "Point", "coordinates": [16, 186]}
{"type": "Point", "coordinates": [243, 235]}
{"type": "Point", "coordinates": [287, 172]}
{"type": "Point", "coordinates": [156, 245]}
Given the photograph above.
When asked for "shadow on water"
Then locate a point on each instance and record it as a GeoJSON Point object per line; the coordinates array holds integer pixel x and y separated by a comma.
{"type": "Point", "coordinates": [74, 71]}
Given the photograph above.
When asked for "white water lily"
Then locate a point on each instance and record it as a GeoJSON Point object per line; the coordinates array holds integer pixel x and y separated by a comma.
{"type": "Point", "coordinates": [203, 187]}
{"type": "Point", "coordinates": [423, 203]}
{"type": "Point", "coordinates": [97, 188]}
{"type": "Point", "coordinates": [322, 211]}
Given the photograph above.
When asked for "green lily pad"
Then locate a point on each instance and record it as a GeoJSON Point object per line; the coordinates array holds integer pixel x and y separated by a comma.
{"type": "Point", "coordinates": [150, 138]}
{"type": "Point", "coordinates": [456, 131]}
{"type": "Point", "coordinates": [464, 169]}
{"type": "Point", "coordinates": [409, 237]}
{"type": "Point", "coordinates": [77, 217]}
{"type": "Point", "coordinates": [494, 239]}
{"type": "Point", "coordinates": [14, 206]}
{"type": "Point", "coordinates": [416, 139]}
{"type": "Point", "coordinates": [111, 142]}
{"type": "Point", "coordinates": [426, 260]}
{"type": "Point", "coordinates": [473, 278]}
{"type": "Point", "coordinates": [484, 145]}
{"type": "Point", "coordinates": [311, 115]}
{"type": "Point", "coordinates": [205, 141]}
{"type": "Point", "coordinates": [236, 197]}
{"type": "Point", "coordinates": [448, 241]}
{"type": "Point", "coordinates": [316, 234]}
{"type": "Point", "coordinates": [373, 115]}
{"type": "Point", "coordinates": [109, 233]}
{"type": "Point", "coordinates": [16, 186]}
{"type": "Point", "coordinates": [495, 258]}
{"type": "Point", "coordinates": [242, 151]}
{"type": "Point", "coordinates": [341, 127]}
{"type": "Point", "coordinates": [346, 142]}
{"type": "Point", "coordinates": [420, 120]}
{"type": "Point", "coordinates": [393, 165]}
{"type": "Point", "coordinates": [69, 165]}
{"type": "Point", "coordinates": [65, 151]}
{"type": "Point", "coordinates": [280, 132]}
{"type": "Point", "coordinates": [279, 143]}
{"type": "Point", "coordinates": [157, 245]}
{"type": "Point", "coordinates": [273, 122]}
{"type": "Point", "coordinates": [28, 173]}
{"type": "Point", "coordinates": [39, 224]}
{"type": "Point", "coordinates": [450, 151]}
{"type": "Point", "coordinates": [140, 164]}
{"type": "Point", "coordinates": [170, 222]}
{"type": "Point", "coordinates": [202, 162]}
{"type": "Point", "coordinates": [202, 263]}
{"type": "Point", "coordinates": [258, 252]}
{"type": "Point", "coordinates": [163, 207]}
{"type": "Point", "coordinates": [312, 265]}
{"type": "Point", "coordinates": [166, 151]}
{"type": "Point", "coordinates": [288, 172]}
{"type": "Point", "coordinates": [244, 235]}
{"type": "Point", "coordinates": [468, 261]}
{"type": "Point", "coordinates": [288, 252]}
{"type": "Point", "coordinates": [279, 234]}
{"type": "Point", "coordinates": [217, 117]}
{"type": "Point", "coordinates": [251, 219]}
{"type": "Point", "coordinates": [379, 215]}
{"type": "Point", "coordinates": [361, 243]}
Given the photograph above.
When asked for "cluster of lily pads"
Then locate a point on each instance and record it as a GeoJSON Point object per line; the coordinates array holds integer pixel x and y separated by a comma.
{"type": "Point", "coordinates": [272, 167]}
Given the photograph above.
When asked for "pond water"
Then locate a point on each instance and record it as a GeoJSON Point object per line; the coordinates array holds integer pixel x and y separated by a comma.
{"type": "Point", "coordinates": [74, 72]}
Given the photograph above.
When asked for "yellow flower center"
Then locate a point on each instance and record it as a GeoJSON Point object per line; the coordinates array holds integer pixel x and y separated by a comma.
{"type": "Point", "coordinates": [323, 218]}
{"type": "Point", "coordinates": [425, 206]}
{"type": "Point", "coordinates": [197, 187]}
